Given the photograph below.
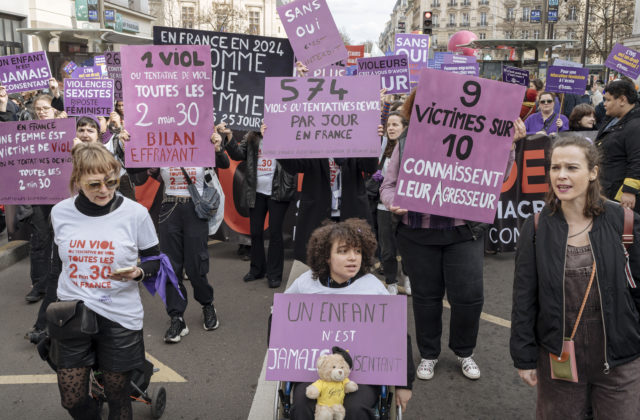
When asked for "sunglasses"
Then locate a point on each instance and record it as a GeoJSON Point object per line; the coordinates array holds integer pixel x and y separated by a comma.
{"type": "Point", "coordinates": [110, 183]}
{"type": "Point", "coordinates": [547, 101]}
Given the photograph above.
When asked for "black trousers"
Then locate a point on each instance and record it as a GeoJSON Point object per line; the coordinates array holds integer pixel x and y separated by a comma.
{"type": "Point", "coordinates": [358, 405]}
{"type": "Point", "coordinates": [273, 264]}
{"type": "Point", "coordinates": [183, 237]}
{"type": "Point", "coordinates": [437, 261]}
{"type": "Point", "coordinates": [41, 241]}
{"type": "Point", "coordinates": [388, 246]}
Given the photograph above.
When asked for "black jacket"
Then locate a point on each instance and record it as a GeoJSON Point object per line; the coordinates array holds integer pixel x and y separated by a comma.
{"type": "Point", "coordinates": [620, 146]}
{"type": "Point", "coordinates": [315, 200]}
{"type": "Point", "coordinates": [283, 187]}
{"type": "Point", "coordinates": [537, 316]}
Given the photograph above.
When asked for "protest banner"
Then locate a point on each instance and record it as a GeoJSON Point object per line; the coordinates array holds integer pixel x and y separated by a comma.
{"type": "Point", "coordinates": [114, 71]}
{"type": "Point", "coordinates": [313, 33]}
{"type": "Point", "coordinates": [515, 75]}
{"type": "Point", "coordinates": [354, 53]}
{"type": "Point", "coordinates": [472, 69]}
{"type": "Point", "coordinates": [338, 69]}
{"type": "Point", "coordinates": [457, 146]}
{"type": "Point", "coordinates": [439, 58]}
{"type": "Point", "coordinates": [99, 60]}
{"type": "Point", "coordinates": [90, 97]}
{"type": "Point", "coordinates": [70, 67]}
{"type": "Point", "coordinates": [167, 100]}
{"type": "Point", "coordinates": [416, 48]}
{"type": "Point", "coordinates": [322, 117]}
{"type": "Point", "coordinates": [35, 160]}
{"type": "Point", "coordinates": [89, 72]}
{"type": "Point", "coordinates": [23, 72]}
{"type": "Point", "coordinates": [393, 69]}
{"type": "Point", "coordinates": [567, 80]}
{"type": "Point", "coordinates": [459, 59]}
{"type": "Point", "coordinates": [624, 60]}
{"type": "Point", "coordinates": [372, 328]}
{"type": "Point", "coordinates": [239, 65]}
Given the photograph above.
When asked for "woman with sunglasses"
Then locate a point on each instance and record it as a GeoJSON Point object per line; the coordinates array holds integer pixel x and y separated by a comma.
{"type": "Point", "coordinates": [546, 121]}
{"type": "Point", "coordinates": [99, 236]}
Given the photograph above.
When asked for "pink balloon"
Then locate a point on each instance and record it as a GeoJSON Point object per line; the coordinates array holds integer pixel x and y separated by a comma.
{"type": "Point", "coordinates": [459, 38]}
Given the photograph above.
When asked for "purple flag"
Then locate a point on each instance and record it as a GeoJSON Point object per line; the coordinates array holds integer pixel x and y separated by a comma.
{"type": "Point", "coordinates": [567, 80]}
{"type": "Point", "coordinates": [90, 97]}
{"type": "Point", "coordinates": [416, 48]}
{"type": "Point", "coordinates": [515, 75]}
{"type": "Point", "coordinates": [23, 72]}
{"type": "Point", "coordinates": [394, 70]}
{"type": "Point", "coordinates": [158, 283]}
{"type": "Point", "coordinates": [35, 160]}
{"type": "Point", "coordinates": [372, 328]}
{"type": "Point", "coordinates": [624, 60]}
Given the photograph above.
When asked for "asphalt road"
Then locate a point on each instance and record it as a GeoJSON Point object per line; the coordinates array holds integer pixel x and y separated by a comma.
{"type": "Point", "coordinates": [214, 374]}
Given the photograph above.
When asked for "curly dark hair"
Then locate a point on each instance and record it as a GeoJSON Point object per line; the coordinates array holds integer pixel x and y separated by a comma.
{"type": "Point", "coordinates": [355, 233]}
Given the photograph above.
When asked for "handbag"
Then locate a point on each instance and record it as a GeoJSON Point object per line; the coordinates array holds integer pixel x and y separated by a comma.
{"type": "Point", "coordinates": [563, 367]}
{"type": "Point", "coordinates": [69, 319]}
{"type": "Point", "coordinates": [206, 205]}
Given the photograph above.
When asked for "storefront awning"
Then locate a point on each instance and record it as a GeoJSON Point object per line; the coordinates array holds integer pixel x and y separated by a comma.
{"type": "Point", "coordinates": [74, 35]}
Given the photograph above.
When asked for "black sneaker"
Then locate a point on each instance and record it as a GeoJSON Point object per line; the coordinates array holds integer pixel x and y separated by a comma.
{"type": "Point", "coordinates": [176, 331]}
{"type": "Point", "coordinates": [34, 295]}
{"type": "Point", "coordinates": [252, 277]}
{"type": "Point", "coordinates": [274, 283]}
{"type": "Point", "coordinates": [210, 317]}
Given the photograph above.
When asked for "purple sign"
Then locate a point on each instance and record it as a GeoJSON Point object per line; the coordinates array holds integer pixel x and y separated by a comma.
{"type": "Point", "coordinates": [23, 72]}
{"type": "Point", "coordinates": [336, 69]}
{"type": "Point", "coordinates": [416, 48]}
{"type": "Point", "coordinates": [115, 72]}
{"type": "Point", "coordinates": [322, 117]}
{"type": "Point", "coordinates": [89, 72]}
{"type": "Point", "coordinates": [394, 70]}
{"type": "Point", "coordinates": [167, 100]}
{"type": "Point", "coordinates": [624, 60]}
{"type": "Point", "coordinates": [372, 328]}
{"type": "Point", "coordinates": [439, 58]}
{"type": "Point", "coordinates": [457, 150]}
{"type": "Point", "coordinates": [567, 80]}
{"type": "Point", "coordinates": [458, 59]}
{"type": "Point", "coordinates": [70, 68]}
{"type": "Point", "coordinates": [515, 75]}
{"type": "Point", "coordinates": [99, 60]}
{"type": "Point", "coordinates": [35, 160]}
{"type": "Point", "coordinates": [472, 69]}
{"type": "Point", "coordinates": [313, 33]}
{"type": "Point", "coordinates": [90, 97]}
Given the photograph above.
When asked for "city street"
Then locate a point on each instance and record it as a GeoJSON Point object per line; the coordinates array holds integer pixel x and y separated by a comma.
{"type": "Point", "coordinates": [214, 374]}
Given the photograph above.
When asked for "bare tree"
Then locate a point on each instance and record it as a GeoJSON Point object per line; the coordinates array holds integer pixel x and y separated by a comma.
{"type": "Point", "coordinates": [221, 16]}
{"type": "Point", "coordinates": [368, 46]}
{"type": "Point", "coordinates": [345, 36]}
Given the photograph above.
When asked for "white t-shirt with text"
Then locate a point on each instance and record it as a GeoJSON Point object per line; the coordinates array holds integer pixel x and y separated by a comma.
{"type": "Point", "coordinates": [266, 169]}
{"type": "Point", "coordinates": [176, 185]}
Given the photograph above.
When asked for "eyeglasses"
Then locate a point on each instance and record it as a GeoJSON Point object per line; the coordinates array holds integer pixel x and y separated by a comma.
{"type": "Point", "coordinates": [43, 109]}
{"type": "Point", "coordinates": [547, 101]}
{"type": "Point", "coordinates": [110, 183]}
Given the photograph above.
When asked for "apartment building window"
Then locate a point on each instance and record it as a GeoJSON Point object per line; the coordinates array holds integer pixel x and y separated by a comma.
{"type": "Point", "coordinates": [434, 41]}
{"type": "Point", "coordinates": [525, 34]}
{"type": "Point", "coordinates": [188, 17]}
{"type": "Point", "coordinates": [483, 2]}
{"type": "Point", "coordinates": [465, 19]}
{"type": "Point", "coordinates": [466, 2]}
{"type": "Point", "coordinates": [452, 19]}
{"type": "Point", "coordinates": [482, 35]}
{"type": "Point", "coordinates": [11, 42]}
{"type": "Point", "coordinates": [508, 35]}
{"type": "Point", "coordinates": [254, 22]}
{"type": "Point", "coordinates": [526, 14]}
{"type": "Point", "coordinates": [452, 3]}
{"type": "Point", "coordinates": [570, 34]}
{"type": "Point", "coordinates": [435, 4]}
{"type": "Point", "coordinates": [536, 34]}
{"type": "Point", "coordinates": [483, 18]}
{"type": "Point", "coordinates": [434, 20]}
{"type": "Point", "coordinates": [572, 15]}
{"type": "Point", "coordinates": [511, 14]}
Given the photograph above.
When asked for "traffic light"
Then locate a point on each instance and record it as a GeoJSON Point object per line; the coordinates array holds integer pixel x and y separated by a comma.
{"type": "Point", "coordinates": [427, 24]}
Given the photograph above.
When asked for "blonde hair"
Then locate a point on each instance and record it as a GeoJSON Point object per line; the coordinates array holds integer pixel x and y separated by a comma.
{"type": "Point", "coordinates": [91, 158]}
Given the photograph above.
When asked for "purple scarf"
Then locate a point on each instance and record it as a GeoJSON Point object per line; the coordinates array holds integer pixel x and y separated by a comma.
{"type": "Point", "coordinates": [158, 283]}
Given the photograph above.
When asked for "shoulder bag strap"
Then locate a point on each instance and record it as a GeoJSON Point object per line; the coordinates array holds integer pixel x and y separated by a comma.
{"type": "Point", "coordinates": [550, 121]}
{"type": "Point", "coordinates": [584, 300]}
{"type": "Point", "coordinates": [627, 232]}
{"type": "Point", "coordinates": [186, 176]}
{"type": "Point", "coordinates": [536, 220]}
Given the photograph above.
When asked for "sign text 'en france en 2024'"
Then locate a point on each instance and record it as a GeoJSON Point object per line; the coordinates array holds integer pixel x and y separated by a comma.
{"type": "Point", "coordinates": [372, 328]}
{"type": "Point", "coordinates": [35, 160]}
{"type": "Point", "coordinates": [319, 117]}
{"type": "Point", "coordinates": [457, 146]}
{"type": "Point", "coordinates": [393, 70]}
{"type": "Point", "coordinates": [239, 65]}
{"type": "Point", "coordinates": [167, 100]}
{"type": "Point", "coordinates": [23, 72]}
{"type": "Point", "coordinates": [313, 33]}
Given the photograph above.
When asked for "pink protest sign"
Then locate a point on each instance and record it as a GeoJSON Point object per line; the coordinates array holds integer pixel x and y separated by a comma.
{"type": "Point", "coordinates": [167, 99]}
{"type": "Point", "coordinates": [90, 97]}
{"type": "Point", "coordinates": [372, 328]}
{"type": "Point", "coordinates": [416, 48]}
{"type": "Point", "coordinates": [313, 33]}
{"type": "Point", "coordinates": [320, 117]}
{"type": "Point", "coordinates": [22, 72]}
{"type": "Point", "coordinates": [457, 146]}
{"type": "Point", "coordinates": [35, 160]}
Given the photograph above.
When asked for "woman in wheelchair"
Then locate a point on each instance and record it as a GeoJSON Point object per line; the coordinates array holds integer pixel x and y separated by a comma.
{"type": "Point", "coordinates": [340, 256]}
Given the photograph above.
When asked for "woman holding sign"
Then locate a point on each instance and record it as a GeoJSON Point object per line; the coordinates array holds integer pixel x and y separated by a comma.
{"type": "Point", "coordinates": [575, 294]}
{"type": "Point", "coordinates": [546, 121]}
{"type": "Point", "coordinates": [341, 256]}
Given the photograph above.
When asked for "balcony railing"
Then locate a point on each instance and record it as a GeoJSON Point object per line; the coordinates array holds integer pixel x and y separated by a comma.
{"type": "Point", "coordinates": [435, 4]}
{"type": "Point", "coordinates": [452, 3]}
{"type": "Point", "coordinates": [483, 24]}
{"type": "Point", "coordinates": [466, 3]}
{"type": "Point", "coordinates": [451, 25]}
{"type": "Point", "coordinates": [465, 24]}
{"type": "Point", "coordinates": [483, 3]}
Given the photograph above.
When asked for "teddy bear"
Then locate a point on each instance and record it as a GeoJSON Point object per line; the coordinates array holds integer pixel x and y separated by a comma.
{"type": "Point", "coordinates": [329, 390]}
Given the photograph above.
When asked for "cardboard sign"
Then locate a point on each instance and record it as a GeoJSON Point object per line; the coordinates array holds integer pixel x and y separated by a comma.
{"type": "Point", "coordinates": [35, 160]}
{"type": "Point", "coordinates": [515, 75]}
{"type": "Point", "coordinates": [239, 65]}
{"type": "Point", "coordinates": [313, 33]}
{"type": "Point", "coordinates": [167, 100]}
{"type": "Point", "coordinates": [115, 72]}
{"type": "Point", "coordinates": [23, 72]}
{"type": "Point", "coordinates": [567, 80]}
{"type": "Point", "coordinates": [624, 60]}
{"type": "Point", "coordinates": [355, 52]}
{"type": "Point", "coordinates": [89, 72]}
{"type": "Point", "coordinates": [393, 69]}
{"type": "Point", "coordinates": [322, 117]}
{"type": "Point", "coordinates": [372, 328]}
{"type": "Point", "coordinates": [91, 97]}
{"type": "Point", "coordinates": [472, 69]}
{"type": "Point", "coordinates": [416, 48]}
{"type": "Point", "coordinates": [457, 146]}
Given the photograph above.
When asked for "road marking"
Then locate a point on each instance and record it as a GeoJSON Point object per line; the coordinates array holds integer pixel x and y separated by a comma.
{"type": "Point", "coordinates": [487, 317]}
{"type": "Point", "coordinates": [164, 374]}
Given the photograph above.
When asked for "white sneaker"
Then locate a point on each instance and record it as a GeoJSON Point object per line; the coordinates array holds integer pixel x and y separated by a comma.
{"type": "Point", "coordinates": [426, 368]}
{"type": "Point", "coordinates": [392, 288]}
{"type": "Point", "coordinates": [469, 367]}
{"type": "Point", "coordinates": [407, 285]}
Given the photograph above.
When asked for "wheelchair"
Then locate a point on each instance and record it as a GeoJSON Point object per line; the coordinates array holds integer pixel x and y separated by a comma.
{"type": "Point", "coordinates": [383, 408]}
